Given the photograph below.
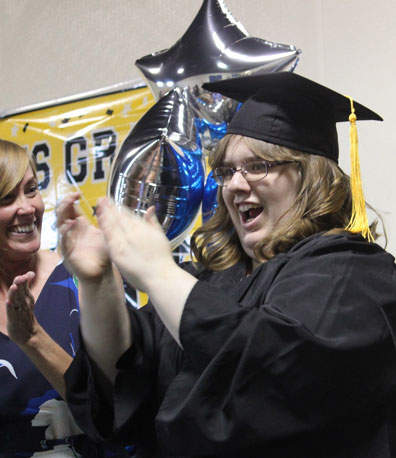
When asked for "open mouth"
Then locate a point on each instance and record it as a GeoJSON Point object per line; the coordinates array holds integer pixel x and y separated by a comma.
{"type": "Point", "coordinates": [249, 211]}
{"type": "Point", "coordinates": [22, 228]}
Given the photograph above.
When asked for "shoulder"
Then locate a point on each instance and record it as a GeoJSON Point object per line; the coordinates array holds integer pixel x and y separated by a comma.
{"type": "Point", "coordinates": [49, 259]}
{"type": "Point", "coordinates": [341, 262]}
{"type": "Point", "coordinates": [345, 243]}
{"type": "Point", "coordinates": [232, 275]}
{"type": "Point", "coordinates": [47, 263]}
{"type": "Point", "coordinates": [336, 285]}
{"type": "Point", "coordinates": [319, 262]}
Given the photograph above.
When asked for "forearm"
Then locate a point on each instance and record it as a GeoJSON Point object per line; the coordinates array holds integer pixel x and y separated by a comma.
{"type": "Point", "coordinates": [142, 252]}
{"type": "Point", "coordinates": [168, 292]}
{"type": "Point", "coordinates": [105, 325]}
{"type": "Point", "coordinates": [49, 358]}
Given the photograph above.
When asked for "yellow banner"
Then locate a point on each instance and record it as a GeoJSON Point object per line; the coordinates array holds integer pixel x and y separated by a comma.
{"type": "Point", "coordinates": [74, 144]}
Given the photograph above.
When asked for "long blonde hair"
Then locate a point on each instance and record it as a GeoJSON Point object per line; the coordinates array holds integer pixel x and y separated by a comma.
{"type": "Point", "coordinates": [14, 162]}
{"type": "Point", "coordinates": [322, 204]}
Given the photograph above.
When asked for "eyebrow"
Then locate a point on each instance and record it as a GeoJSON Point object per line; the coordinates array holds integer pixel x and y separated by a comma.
{"type": "Point", "coordinates": [31, 180]}
{"type": "Point", "coordinates": [246, 161]}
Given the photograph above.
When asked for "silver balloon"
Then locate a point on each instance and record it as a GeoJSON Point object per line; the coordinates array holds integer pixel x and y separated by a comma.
{"type": "Point", "coordinates": [209, 197]}
{"type": "Point", "coordinates": [215, 46]}
{"type": "Point", "coordinates": [160, 163]}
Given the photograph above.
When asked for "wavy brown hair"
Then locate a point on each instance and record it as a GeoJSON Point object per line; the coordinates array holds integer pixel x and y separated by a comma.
{"type": "Point", "coordinates": [323, 204]}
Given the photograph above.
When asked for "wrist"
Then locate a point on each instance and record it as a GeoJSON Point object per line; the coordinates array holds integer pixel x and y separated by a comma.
{"type": "Point", "coordinates": [35, 341]}
{"type": "Point", "coordinates": [160, 275]}
{"type": "Point", "coordinates": [105, 275]}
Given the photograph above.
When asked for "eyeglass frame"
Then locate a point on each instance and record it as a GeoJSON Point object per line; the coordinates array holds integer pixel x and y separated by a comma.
{"type": "Point", "coordinates": [244, 172]}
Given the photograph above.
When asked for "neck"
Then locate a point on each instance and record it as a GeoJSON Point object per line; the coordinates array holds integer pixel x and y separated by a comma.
{"type": "Point", "coordinates": [10, 269]}
{"type": "Point", "coordinates": [256, 263]}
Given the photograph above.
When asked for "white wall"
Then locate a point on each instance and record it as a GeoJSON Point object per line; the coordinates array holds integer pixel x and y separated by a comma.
{"type": "Point", "coordinates": [53, 48]}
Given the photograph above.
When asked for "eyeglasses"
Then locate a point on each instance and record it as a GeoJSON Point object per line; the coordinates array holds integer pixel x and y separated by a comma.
{"type": "Point", "coordinates": [252, 171]}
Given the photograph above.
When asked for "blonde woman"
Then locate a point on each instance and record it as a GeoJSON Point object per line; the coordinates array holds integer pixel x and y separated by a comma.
{"type": "Point", "coordinates": [39, 318]}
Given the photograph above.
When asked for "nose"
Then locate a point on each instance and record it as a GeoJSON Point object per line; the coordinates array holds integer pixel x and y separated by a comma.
{"type": "Point", "coordinates": [238, 182]}
{"type": "Point", "coordinates": [25, 206]}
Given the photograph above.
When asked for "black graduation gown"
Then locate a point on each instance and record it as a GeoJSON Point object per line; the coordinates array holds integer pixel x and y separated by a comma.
{"type": "Point", "coordinates": [296, 360]}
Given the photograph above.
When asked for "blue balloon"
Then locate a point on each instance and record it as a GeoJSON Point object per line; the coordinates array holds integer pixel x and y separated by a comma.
{"type": "Point", "coordinates": [160, 163]}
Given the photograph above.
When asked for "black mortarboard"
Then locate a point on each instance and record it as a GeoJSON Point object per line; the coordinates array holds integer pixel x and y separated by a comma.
{"type": "Point", "coordinates": [289, 110]}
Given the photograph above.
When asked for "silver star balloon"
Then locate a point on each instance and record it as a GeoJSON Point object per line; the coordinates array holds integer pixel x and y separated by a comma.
{"type": "Point", "coordinates": [160, 163]}
{"type": "Point", "coordinates": [215, 46]}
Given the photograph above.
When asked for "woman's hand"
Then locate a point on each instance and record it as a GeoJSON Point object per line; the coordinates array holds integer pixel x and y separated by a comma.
{"type": "Point", "coordinates": [21, 321]}
{"type": "Point", "coordinates": [142, 253]}
{"type": "Point", "coordinates": [83, 245]}
{"type": "Point", "coordinates": [138, 246]}
{"type": "Point", "coordinates": [24, 330]}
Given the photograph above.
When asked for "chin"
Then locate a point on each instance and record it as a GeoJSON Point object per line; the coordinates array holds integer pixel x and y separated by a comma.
{"type": "Point", "coordinates": [25, 249]}
{"type": "Point", "coordinates": [250, 241]}
{"type": "Point", "coordinates": [249, 249]}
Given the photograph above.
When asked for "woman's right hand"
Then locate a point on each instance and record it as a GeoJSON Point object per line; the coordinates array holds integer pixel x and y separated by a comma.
{"type": "Point", "coordinates": [83, 246]}
{"type": "Point", "coordinates": [21, 321]}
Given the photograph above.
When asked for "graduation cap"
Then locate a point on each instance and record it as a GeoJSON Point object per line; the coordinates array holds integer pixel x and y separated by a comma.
{"type": "Point", "coordinates": [289, 110]}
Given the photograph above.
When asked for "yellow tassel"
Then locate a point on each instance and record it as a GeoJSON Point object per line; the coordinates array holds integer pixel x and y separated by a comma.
{"type": "Point", "coordinates": [358, 222]}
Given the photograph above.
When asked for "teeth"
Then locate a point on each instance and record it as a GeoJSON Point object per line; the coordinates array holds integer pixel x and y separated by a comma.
{"type": "Point", "coordinates": [23, 229]}
{"type": "Point", "coordinates": [247, 207]}
{"type": "Point", "coordinates": [247, 211]}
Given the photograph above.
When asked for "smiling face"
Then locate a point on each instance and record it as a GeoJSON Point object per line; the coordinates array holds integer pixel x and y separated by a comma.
{"type": "Point", "coordinates": [256, 207]}
{"type": "Point", "coordinates": [21, 215]}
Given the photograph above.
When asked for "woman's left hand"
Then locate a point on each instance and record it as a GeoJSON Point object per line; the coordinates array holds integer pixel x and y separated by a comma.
{"type": "Point", "coordinates": [21, 321]}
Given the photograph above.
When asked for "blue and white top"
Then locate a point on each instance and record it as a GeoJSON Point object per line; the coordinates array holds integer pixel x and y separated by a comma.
{"type": "Point", "coordinates": [34, 420]}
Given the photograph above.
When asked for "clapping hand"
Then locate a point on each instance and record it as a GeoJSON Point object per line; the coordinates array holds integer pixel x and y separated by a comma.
{"type": "Point", "coordinates": [83, 246]}
{"type": "Point", "coordinates": [138, 246]}
{"type": "Point", "coordinates": [21, 321]}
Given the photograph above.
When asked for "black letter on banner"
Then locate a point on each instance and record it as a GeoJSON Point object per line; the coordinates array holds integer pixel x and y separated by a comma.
{"type": "Point", "coordinates": [81, 143]}
{"type": "Point", "coordinates": [42, 167]}
{"type": "Point", "coordinates": [105, 145]}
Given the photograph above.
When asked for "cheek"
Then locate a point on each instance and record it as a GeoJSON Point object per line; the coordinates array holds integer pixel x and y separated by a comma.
{"type": "Point", "coordinates": [228, 200]}
{"type": "Point", "coordinates": [39, 205]}
{"type": "Point", "coordinates": [284, 190]}
{"type": "Point", "coordinates": [5, 216]}
{"type": "Point", "coordinates": [224, 196]}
